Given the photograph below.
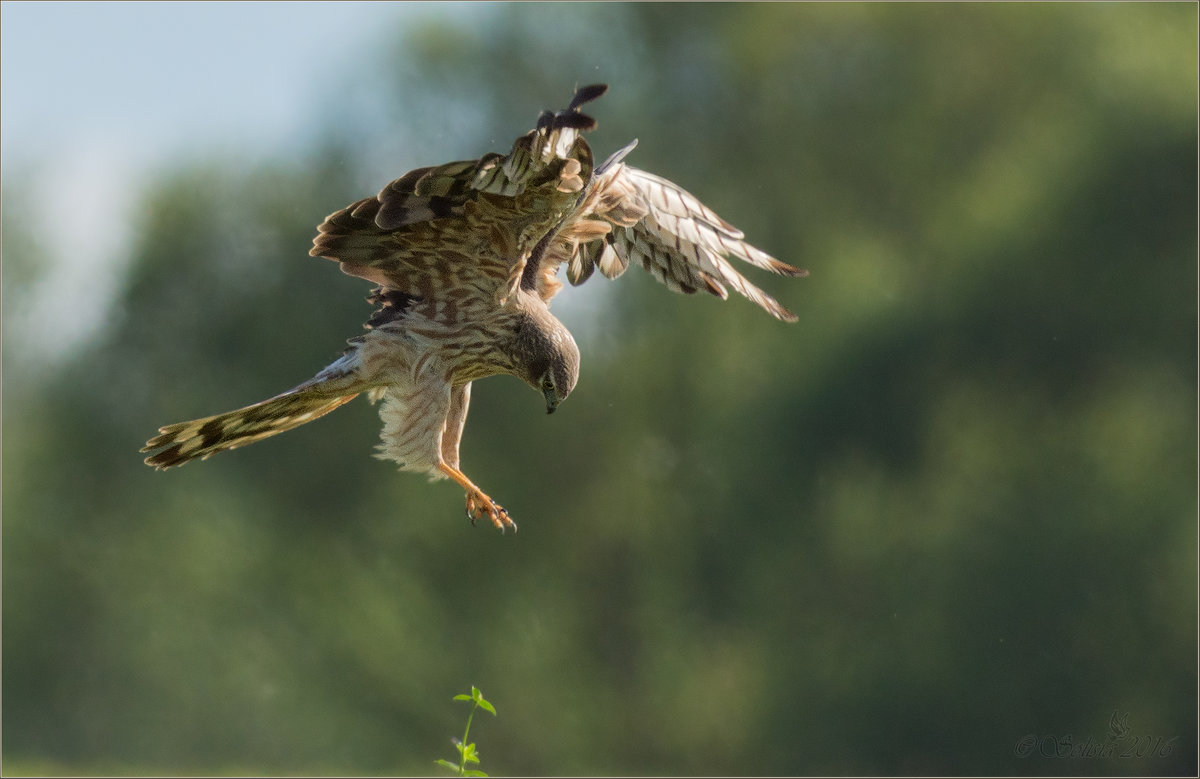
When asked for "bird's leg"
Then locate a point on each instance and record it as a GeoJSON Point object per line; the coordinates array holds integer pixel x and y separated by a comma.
{"type": "Point", "coordinates": [478, 503]}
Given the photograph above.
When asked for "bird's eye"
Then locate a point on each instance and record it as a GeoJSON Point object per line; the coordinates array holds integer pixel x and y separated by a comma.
{"type": "Point", "coordinates": [547, 383]}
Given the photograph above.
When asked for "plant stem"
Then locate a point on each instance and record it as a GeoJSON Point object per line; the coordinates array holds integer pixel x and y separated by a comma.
{"type": "Point", "coordinates": [462, 756]}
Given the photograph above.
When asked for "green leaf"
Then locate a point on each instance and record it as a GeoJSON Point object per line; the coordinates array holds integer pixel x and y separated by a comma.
{"type": "Point", "coordinates": [466, 751]}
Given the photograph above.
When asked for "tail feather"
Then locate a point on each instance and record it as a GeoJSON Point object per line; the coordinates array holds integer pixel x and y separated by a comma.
{"type": "Point", "coordinates": [186, 441]}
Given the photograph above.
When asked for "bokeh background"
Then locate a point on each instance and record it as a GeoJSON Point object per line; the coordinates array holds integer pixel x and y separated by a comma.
{"type": "Point", "coordinates": [953, 507]}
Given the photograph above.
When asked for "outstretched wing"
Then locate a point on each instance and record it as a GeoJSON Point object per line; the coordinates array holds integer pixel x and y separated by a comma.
{"type": "Point", "coordinates": [466, 226]}
{"type": "Point", "coordinates": [631, 216]}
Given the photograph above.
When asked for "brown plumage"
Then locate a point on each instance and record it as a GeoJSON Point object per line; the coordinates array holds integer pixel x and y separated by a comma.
{"type": "Point", "coordinates": [466, 257]}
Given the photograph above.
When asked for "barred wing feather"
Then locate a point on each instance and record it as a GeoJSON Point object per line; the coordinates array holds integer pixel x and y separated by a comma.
{"type": "Point", "coordinates": [654, 223]}
{"type": "Point", "coordinates": [460, 221]}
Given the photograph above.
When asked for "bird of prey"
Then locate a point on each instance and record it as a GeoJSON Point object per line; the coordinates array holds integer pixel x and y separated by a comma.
{"type": "Point", "coordinates": [466, 257]}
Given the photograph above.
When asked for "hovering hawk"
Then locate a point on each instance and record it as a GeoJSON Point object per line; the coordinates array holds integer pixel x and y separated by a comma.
{"type": "Point", "coordinates": [466, 257]}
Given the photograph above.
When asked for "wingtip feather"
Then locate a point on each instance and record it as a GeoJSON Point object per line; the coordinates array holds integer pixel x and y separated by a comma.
{"type": "Point", "coordinates": [783, 269]}
{"type": "Point", "coordinates": [587, 94]}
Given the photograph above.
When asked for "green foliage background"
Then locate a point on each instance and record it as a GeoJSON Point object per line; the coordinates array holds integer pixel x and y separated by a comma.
{"type": "Point", "coordinates": [954, 505]}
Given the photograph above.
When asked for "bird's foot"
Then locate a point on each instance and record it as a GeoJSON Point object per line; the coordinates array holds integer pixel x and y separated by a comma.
{"type": "Point", "coordinates": [480, 505]}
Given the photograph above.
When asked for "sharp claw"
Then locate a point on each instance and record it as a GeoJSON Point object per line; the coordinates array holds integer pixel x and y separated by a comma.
{"type": "Point", "coordinates": [477, 508]}
{"type": "Point", "coordinates": [505, 520]}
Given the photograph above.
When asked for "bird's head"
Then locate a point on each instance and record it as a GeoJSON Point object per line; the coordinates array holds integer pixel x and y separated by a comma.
{"type": "Point", "coordinates": [546, 356]}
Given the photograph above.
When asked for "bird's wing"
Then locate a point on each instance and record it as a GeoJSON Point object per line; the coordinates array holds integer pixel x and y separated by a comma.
{"type": "Point", "coordinates": [468, 226]}
{"type": "Point", "coordinates": [631, 216]}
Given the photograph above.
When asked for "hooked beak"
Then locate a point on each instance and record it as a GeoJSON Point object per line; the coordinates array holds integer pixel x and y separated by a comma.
{"type": "Point", "coordinates": [551, 401]}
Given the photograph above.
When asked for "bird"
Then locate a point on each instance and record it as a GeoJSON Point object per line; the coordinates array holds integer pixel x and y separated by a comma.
{"type": "Point", "coordinates": [465, 257]}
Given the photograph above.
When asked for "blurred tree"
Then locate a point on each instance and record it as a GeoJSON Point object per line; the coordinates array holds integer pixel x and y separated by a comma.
{"type": "Point", "coordinates": [955, 505]}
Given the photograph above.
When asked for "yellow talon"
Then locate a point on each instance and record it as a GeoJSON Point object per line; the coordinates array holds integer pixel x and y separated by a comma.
{"type": "Point", "coordinates": [478, 503]}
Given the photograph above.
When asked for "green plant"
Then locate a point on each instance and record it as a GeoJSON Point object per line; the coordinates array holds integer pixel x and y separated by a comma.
{"type": "Point", "coordinates": [466, 750]}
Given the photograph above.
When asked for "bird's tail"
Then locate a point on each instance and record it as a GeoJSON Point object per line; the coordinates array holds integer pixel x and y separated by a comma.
{"type": "Point", "coordinates": [186, 441]}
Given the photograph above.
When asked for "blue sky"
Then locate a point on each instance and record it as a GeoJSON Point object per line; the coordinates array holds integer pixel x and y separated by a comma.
{"type": "Point", "coordinates": [160, 77]}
